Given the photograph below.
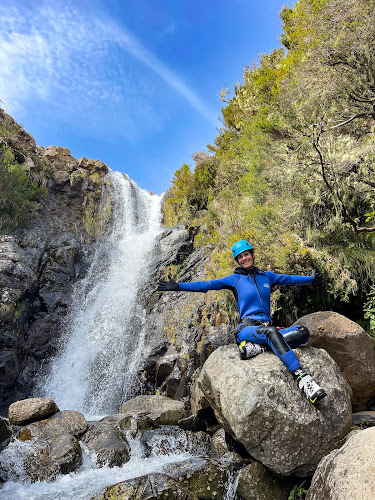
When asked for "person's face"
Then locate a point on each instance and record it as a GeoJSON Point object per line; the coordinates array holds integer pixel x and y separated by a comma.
{"type": "Point", "coordinates": [246, 259]}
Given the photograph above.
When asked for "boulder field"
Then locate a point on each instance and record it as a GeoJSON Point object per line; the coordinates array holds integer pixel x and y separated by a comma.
{"type": "Point", "coordinates": [265, 431]}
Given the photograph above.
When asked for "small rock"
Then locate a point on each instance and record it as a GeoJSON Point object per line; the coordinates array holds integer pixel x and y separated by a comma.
{"type": "Point", "coordinates": [30, 410]}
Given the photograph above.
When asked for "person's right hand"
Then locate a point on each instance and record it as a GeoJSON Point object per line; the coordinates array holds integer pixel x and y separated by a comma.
{"type": "Point", "coordinates": [317, 278]}
{"type": "Point", "coordinates": [167, 286]}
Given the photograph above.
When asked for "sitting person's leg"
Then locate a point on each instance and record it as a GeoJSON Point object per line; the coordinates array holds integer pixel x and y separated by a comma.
{"type": "Point", "coordinates": [275, 339]}
{"type": "Point", "coordinates": [295, 335]}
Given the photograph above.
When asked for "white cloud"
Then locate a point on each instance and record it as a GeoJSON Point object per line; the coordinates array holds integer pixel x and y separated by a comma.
{"type": "Point", "coordinates": [57, 54]}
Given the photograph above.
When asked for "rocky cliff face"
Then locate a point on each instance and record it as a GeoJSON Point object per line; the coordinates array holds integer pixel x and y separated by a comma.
{"type": "Point", "coordinates": [41, 260]}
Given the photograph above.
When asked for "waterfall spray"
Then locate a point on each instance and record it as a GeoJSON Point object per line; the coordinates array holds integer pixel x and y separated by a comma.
{"type": "Point", "coordinates": [105, 328]}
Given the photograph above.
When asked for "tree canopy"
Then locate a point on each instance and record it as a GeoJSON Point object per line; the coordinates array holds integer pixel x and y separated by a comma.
{"type": "Point", "coordinates": [293, 166]}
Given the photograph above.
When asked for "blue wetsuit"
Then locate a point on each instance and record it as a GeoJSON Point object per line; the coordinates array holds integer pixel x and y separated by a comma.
{"type": "Point", "coordinates": [252, 292]}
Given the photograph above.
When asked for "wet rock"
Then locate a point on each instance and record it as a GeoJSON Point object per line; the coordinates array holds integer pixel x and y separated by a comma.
{"type": "Point", "coordinates": [108, 443]}
{"type": "Point", "coordinates": [347, 473]}
{"type": "Point", "coordinates": [160, 409]}
{"type": "Point", "coordinates": [61, 455]}
{"type": "Point", "coordinates": [255, 482]}
{"type": "Point", "coordinates": [41, 460]}
{"type": "Point", "coordinates": [30, 410]}
{"type": "Point", "coordinates": [352, 349]}
{"type": "Point", "coordinates": [5, 433]}
{"type": "Point", "coordinates": [63, 422]}
{"type": "Point", "coordinates": [204, 477]}
{"type": "Point", "coordinates": [154, 486]}
{"type": "Point", "coordinates": [274, 422]}
{"type": "Point", "coordinates": [171, 440]}
{"type": "Point", "coordinates": [136, 424]}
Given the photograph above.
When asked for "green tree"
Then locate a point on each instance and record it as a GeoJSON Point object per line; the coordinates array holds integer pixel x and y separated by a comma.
{"type": "Point", "coordinates": [18, 192]}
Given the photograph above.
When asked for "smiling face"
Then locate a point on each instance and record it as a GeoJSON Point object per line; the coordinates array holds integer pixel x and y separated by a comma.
{"type": "Point", "coordinates": [246, 259]}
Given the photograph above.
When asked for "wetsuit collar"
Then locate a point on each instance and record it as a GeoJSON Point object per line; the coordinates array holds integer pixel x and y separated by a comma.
{"type": "Point", "coordinates": [245, 272]}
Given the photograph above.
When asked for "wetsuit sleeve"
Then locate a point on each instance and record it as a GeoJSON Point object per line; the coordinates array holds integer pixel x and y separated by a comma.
{"type": "Point", "coordinates": [205, 286]}
{"type": "Point", "coordinates": [286, 279]}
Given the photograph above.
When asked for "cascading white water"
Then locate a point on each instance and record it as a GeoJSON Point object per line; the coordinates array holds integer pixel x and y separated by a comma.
{"type": "Point", "coordinates": [105, 328]}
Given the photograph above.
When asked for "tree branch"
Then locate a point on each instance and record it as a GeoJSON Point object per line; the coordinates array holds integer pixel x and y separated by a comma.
{"type": "Point", "coordinates": [360, 115]}
{"type": "Point", "coordinates": [344, 212]}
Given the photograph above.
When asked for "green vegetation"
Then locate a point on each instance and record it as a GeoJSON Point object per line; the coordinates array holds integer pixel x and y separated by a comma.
{"type": "Point", "coordinates": [297, 493]}
{"type": "Point", "coordinates": [293, 167]}
{"type": "Point", "coordinates": [18, 192]}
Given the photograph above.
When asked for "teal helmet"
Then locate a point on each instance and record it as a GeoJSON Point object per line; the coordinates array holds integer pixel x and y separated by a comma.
{"type": "Point", "coordinates": [241, 246]}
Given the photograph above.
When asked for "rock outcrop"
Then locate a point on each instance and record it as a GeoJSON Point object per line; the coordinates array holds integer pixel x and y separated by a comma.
{"type": "Point", "coordinates": [347, 473]}
{"type": "Point", "coordinates": [258, 402]}
{"type": "Point", "coordinates": [352, 349]}
{"type": "Point", "coordinates": [43, 448]}
{"type": "Point", "coordinates": [42, 259]}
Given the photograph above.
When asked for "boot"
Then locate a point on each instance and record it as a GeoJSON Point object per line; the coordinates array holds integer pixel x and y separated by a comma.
{"type": "Point", "coordinates": [248, 349]}
{"type": "Point", "coordinates": [308, 386]}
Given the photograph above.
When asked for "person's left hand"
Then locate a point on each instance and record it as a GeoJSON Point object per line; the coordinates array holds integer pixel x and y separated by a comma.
{"type": "Point", "coordinates": [317, 278]}
{"type": "Point", "coordinates": [167, 286]}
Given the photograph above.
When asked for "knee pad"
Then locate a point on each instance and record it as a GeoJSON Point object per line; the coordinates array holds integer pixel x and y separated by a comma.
{"type": "Point", "coordinates": [275, 338]}
{"type": "Point", "coordinates": [297, 337]}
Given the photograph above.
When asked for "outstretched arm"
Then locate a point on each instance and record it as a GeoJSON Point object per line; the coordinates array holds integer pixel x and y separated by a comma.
{"type": "Point", "coordinates": [227, 282]}
{"type": "Point", "coordinates": [286, 279]}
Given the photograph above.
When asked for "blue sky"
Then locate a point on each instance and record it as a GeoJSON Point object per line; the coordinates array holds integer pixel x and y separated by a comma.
{"type": "Point", "coordinates": [134, 83]}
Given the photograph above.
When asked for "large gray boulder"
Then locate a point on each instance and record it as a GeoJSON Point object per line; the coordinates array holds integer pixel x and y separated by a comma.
{"type": "Point", "coordinates": [63, 422]}
{"type": "Point", "coordinates": [258, 402]}
{"type": "Point", "coordinates": [352, 349]}
{"type": "Point", "coordinates": [30, 410]}
{"type": "Point", "coordinates": [347, 473]}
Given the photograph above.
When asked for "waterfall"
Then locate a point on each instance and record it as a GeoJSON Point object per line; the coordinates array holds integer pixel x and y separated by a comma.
{"type": "Point", "coordinates": [104, 331]}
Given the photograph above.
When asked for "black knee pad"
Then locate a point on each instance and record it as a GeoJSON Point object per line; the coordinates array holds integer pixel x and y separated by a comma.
{"type": "Point", "coordinates": [297, 337]}
{"type": "Point", "coordinates": [275, 337]}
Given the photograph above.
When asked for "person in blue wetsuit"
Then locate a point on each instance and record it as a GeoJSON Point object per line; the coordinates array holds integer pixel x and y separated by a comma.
{"type": "Point", "coordinates": [255, 333]}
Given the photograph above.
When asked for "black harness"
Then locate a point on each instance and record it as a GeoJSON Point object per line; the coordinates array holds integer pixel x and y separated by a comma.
{"type": "Point", "coordinates": [246, 321]}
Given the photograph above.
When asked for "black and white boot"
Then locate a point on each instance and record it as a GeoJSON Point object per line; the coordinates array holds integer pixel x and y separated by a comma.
{"type": "Point", "coordinates": [308, 386]}
{"type": "Point", "coordinates": [249, 349]}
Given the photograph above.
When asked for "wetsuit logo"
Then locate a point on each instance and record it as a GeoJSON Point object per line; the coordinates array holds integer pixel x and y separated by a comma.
{"type": "Point", "coordinates": [267, 285]}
